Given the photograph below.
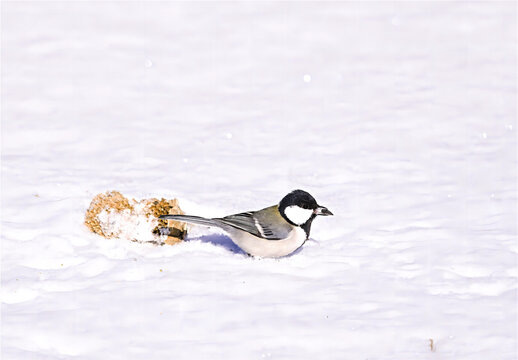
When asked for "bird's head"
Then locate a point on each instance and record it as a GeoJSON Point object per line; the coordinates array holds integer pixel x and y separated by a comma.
{"type": "Point", "coordinates": [300, 208]}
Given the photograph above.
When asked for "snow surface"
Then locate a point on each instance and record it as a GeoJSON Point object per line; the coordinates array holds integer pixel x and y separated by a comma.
{"type": "Point", "coordinates": [399, 117]}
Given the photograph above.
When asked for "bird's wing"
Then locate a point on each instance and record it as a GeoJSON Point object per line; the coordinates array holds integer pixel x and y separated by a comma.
{"type": "Point", "coordinates": [249, 222]}
{"type": "Point", "coordinates": [243, 221]}
{"type": "Point", "coordinates": [266, 223]}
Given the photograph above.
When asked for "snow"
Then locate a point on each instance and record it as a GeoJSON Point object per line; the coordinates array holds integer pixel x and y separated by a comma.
{"type": "Point", "coordinates": [399, 117]}
{"type": "Point", "coordinates": [127, 225]}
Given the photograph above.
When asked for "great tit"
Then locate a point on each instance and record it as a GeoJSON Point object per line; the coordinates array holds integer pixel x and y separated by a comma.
{"type": "Point", "coordinates": [275, 231]}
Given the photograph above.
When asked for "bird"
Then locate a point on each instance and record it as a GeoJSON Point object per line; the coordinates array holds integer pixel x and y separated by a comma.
{"type": "Point", "coordinates": [272, 232]}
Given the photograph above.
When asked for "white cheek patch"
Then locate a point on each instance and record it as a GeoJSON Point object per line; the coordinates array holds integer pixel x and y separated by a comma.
{"type": "Point", "coordinates": [298, 215]}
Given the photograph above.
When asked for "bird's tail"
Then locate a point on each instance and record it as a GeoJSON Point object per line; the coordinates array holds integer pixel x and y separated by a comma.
{"type": "Point", "coordinates": [191, 219]}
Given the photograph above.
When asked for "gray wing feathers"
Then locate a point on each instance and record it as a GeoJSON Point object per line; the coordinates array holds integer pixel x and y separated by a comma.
{"type": "Point", "coordinates": [249, 223]}
{"type": "Point", "coordinates": [239, 221]}
{"type": "Point", "coordinates": [258, 223]}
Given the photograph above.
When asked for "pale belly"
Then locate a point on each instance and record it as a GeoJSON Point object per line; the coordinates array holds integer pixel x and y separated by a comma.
{"type": "Point", "coordinates": [269, 248]}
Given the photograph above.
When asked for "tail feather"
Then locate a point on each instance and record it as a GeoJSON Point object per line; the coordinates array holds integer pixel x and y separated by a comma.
{"type": "Point", "coordinates": [191, 219]}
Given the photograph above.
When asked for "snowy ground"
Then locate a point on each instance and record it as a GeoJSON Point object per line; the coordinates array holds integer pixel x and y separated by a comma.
{"type": "Point", "coordinates": [400, 117]}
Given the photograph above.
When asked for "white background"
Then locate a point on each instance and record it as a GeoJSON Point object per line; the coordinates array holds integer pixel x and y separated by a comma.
{"type": "Point", "coordinates": [400, 117]}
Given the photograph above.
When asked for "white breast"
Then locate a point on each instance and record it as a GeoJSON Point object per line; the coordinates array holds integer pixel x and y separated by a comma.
{"type": "Point", "coordinates": [269, 248]}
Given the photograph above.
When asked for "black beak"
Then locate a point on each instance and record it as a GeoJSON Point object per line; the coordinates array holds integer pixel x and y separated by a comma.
{"type": "Point", "coordinates": [322, 210]}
